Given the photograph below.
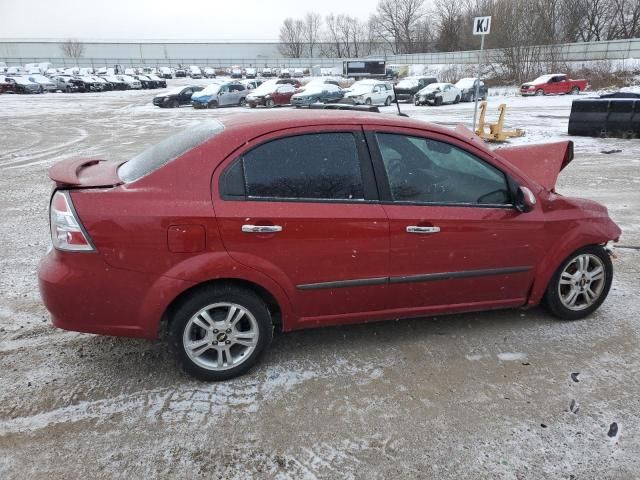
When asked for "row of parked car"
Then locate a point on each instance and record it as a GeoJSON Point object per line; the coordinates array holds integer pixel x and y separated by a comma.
{"type": "Point", "coordinates": [38, 83]}
{"type": "Point", "coordinates": [289, 91]}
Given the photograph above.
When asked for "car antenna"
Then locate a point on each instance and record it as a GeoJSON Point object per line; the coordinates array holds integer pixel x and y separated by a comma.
{"type": "Point", "coordinates": [398, 103]}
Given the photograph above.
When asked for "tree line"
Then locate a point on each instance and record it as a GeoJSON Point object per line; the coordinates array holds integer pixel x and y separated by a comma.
{"type": "Point", "coordinates": [418, 26]}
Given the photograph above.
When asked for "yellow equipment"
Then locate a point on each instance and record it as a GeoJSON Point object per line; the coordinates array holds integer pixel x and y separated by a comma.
{"type": "Point", "coordinates": [496, 132]}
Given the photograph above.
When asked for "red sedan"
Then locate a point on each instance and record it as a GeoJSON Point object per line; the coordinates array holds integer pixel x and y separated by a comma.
{"type": "Point", "coordinates": [236, 228]}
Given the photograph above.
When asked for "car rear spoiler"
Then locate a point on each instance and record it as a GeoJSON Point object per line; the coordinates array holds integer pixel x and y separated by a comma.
{"type": "Point", "coordinates": [85, 173]}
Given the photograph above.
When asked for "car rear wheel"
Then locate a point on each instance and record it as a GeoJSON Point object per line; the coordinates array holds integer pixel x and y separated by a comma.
{"type": "Point", "coordinates": [367, 101]}
{"type": "Point", "coordinates": [243, 102]}
{"type": "Point", "coordinates": [457, 100]}
{"type": "Point", "coordinates": [575, 91]}
{"type": "Point", "coordinates": [220, 332]}
{"type": "Point", "coordinates": [580, 284]}
{"type": "Point", "coordinates": [270, 103]}
{"type": "Point", "coordinates": [387, 102]}
{"type": "Point", "coordinates": [539, 92]}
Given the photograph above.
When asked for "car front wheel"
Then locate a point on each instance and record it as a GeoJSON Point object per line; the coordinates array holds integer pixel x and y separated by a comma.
{"type": "Point", "coordinates": [539, 92]}
{"type": "Point", "coordinates": [220, 332]}
{"type": "Point", "coordinates": [580, 284]}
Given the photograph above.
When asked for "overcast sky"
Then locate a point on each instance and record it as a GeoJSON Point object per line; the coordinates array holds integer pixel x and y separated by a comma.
{"type": "Point", "coordinates": [158, 19]}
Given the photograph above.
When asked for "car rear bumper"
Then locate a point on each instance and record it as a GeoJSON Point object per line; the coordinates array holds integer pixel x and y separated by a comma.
{"type": "Point", "coordinates": [85, 294]}
{"type": "Point", "coordinates": [404, 96]}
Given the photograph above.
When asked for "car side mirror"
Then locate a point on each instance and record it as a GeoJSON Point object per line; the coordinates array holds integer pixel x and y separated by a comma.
{"type": "Point", "coordinates": [524, 199]}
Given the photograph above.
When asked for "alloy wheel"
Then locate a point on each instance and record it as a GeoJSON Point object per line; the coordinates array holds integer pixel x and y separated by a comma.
{"type": "Point", "coordinates": [581, 282]}
{"type": "Point", "coordinates": [220, 336]}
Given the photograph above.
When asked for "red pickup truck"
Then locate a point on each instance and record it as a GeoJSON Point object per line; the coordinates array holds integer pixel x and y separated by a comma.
{"type": "Point", "coordinates": [553, 83]}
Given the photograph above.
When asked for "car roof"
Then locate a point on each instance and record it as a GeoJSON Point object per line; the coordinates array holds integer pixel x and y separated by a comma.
{"type": "Point", "coordinates": [265, 122]}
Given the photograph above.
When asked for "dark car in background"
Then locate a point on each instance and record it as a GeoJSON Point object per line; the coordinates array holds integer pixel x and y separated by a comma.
{"type": "Point", "coordinates": [181, 73]}
{"type": "Point", "coordinates": [146, 82]}
{"type": "Point", "coordinates": [68, 84]}
{"type": "Point", "coordinates": [88, 84]}
{"type": "Point", "coordinates": [24, 85]}
{"type": "Point", "coordinates": [407, 88]}
{"type": "Point", "coordinates": [7, 86]}
{"type": "Point", "coordinates": [115, 82]}
{"type": "Point", "coordinates": [467, 87]}
{"type": "Point", "coordinates": [176, 97]}
{"type": "Point", "coordinates": [160, 82]}
{"type": "Point", "coordinates": [317, 93]}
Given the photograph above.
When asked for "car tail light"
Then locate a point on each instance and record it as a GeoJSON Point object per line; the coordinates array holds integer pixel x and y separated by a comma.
{"type": "Point", "coordinates": [67, 233]}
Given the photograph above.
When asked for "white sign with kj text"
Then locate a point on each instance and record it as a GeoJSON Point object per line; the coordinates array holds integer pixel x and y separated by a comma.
{"type": "Point", "coordinates": [482, 25]}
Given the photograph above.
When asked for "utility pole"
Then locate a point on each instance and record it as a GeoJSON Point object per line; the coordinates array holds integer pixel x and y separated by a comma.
{"type": "Point", "coordinates": [482, 27]}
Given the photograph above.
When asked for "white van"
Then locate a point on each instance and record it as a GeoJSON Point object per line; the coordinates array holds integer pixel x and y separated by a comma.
{"type": "Point", "coordinates": [194, 72]}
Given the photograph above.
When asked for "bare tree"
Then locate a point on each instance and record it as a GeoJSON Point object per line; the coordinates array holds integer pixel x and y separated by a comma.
{"type": "Point", "coordinates": [397, 21]}
{"type": "Point", "coordinates": [292, 38]}
{"type": "Point", "coordinates": [626, 19]}
{"type": "Point", "coordinates": [451, 24]}
{"type": "Point", "coordinates": [72, 48]}
{"type": "Point", "coordinates": [312, 25]}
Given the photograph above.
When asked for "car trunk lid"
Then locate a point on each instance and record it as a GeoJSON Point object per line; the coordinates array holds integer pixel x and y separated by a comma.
{"type": "Point", "coordinates": [542, 163]}
{"type": "Point", "coordinates": [85, 173]}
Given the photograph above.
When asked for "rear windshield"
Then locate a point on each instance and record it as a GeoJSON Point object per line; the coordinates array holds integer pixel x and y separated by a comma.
{"type": "Point", "coordinates": [167, 150]}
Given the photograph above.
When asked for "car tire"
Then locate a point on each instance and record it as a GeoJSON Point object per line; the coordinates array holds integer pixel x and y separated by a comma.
{"type": "Point", "coordinates": [205, 318]}
{"type": "Point", "coordinates": [567, 296]}
{"type": "Point", "coordinates": [457, 100]}
{"type": "Point", "coordinates": [367, 101]}
{"type": "Point", "coordinates": [212, 104]}
{"type": "Point", "coordinates": [270, 103]}
{"type": "Point", "coordinates": [252, 105]}
{"type": "Point", "coordinates": [539, 92]}
{"type": "Point", "coordinates": [174, 104]}
{"type": "Point", "coordinates": [387, 102]}
{"type": "Point", "coordinates": [438, 101]}
{"type": "Point", "coordinates": [417, 103]}
{"type": "Point", "coordinates": [575, 91]}
{"type": "Point", "coordinates": [243, 102]}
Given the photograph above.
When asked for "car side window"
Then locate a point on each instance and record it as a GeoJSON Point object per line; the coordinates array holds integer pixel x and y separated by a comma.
{"type": "Point", "coordinates": [321, 166]}
{"type": "Point", "coordinates": [429, 171]}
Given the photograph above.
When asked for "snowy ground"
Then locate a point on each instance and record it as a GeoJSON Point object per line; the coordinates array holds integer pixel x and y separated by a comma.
{"type": "Point", "coordinates": [467, 396]}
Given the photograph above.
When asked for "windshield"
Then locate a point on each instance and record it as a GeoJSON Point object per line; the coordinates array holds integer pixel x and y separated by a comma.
{"type": "Point", "coordinates": [173, 91]}
{"type": "Point", "coordinates": [208, 90]}
{"type": "Point", "coordinates": [266, 87]}
{"type": "Point", "coordinates": [315, 89]}
{"type": "Point", "coordinates": [361, 88]}
{"type": "Point", "coordinates": [167, 150]}
{"type": "Point", "coordinates": [408, 83]}
{"type": "Point", "coordinates": [434, 86]}
{"type": "Point", "coordinates": [466, 83]}
{"type": "Point", "coordinates": [22, 81]}
{"type": "Point", "coordinates": [542, 79]}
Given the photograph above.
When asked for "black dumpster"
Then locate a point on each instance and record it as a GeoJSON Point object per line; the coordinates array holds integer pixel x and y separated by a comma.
{"type": "Point", "coordinates": [605, 117]}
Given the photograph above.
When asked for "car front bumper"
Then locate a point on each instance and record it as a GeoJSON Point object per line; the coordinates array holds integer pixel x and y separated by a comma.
{"type": "Point", "coordinates": [85, 294]}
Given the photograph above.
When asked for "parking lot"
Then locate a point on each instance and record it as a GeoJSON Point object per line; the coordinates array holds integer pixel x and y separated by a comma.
{"type": "Point", "coordinates": [480, 395]}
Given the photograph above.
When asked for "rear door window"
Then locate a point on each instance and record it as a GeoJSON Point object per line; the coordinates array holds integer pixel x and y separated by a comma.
{"type": "Point", "coordinates": [323, 166]}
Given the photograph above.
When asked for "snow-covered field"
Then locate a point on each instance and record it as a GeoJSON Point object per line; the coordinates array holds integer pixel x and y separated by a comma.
{"type": "Point", "coordinates": [466, 396]}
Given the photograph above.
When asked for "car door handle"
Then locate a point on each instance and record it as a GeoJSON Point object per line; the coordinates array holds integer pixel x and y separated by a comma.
{"type": "Point", "coordinates": [416, 229]}
{"type": "Point", "coordinates": [261, 228]}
